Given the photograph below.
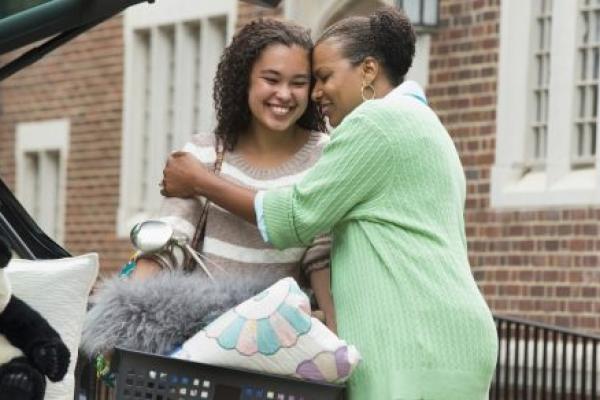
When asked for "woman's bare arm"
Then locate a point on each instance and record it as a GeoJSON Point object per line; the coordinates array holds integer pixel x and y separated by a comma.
{"type": "Point", "coordinates": [320, 283]}
{"type": "Point", "coordinates": [145, 268]}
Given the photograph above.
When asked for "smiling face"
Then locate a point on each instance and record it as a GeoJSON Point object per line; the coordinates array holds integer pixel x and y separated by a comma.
{"type": "Point", "coordinates": [279, 87]}
{"type": "Point", "coordinates": [337, 82]}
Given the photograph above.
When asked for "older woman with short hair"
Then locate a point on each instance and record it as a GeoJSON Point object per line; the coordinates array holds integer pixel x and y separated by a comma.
{"type": "Point", "coordinates": [391, 189]}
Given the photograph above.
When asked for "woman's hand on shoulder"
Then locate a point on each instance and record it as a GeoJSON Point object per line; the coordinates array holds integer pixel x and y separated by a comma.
{"type": "Point", "coordinates": [183, 176]}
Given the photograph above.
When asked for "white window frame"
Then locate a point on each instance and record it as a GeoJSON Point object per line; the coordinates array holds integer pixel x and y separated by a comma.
{"type": "Point", "coordinates": [513, 185]}
{"type": "Point", "coordinates": [181, 119]}
{"type": "Point", "coordinates": [40, 138]}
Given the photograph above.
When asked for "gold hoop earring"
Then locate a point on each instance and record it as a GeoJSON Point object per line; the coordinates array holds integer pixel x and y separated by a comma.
{"type": "Point", "coordinates": [369, 87]}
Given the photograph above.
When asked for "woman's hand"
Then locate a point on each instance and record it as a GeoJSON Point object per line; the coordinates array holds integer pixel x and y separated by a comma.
{"type": "Point", "coordinates": [184, 176]}
{"type": "Point", "coordinates": [320, 283]}
{"type": "Point", "coordinates": [327, 318]}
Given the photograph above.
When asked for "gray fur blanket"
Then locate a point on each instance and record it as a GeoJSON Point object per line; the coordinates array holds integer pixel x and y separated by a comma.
{"type": "Point", "coordinates": [158, 314]}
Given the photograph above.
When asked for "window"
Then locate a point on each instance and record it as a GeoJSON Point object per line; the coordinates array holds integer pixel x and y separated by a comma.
{"type": "Point", "coordinates": [547, 104]}
{"type": "Point", "coordinates": [586, 81]}
{"type": "Point", "coordinates": [41, 155]}
{"type": "Point", "coordinates": [538, 129]}
{"type": "Point", "coordinates": [422, 13]}
{"type": "Point", "coordinates": [171, 54]}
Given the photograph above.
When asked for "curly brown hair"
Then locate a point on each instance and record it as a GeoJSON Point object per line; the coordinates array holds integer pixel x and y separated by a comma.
{"type": "Point", "coordinates": [232, 80]}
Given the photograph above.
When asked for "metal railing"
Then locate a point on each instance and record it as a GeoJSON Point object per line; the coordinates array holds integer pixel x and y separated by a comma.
{"type": "Point", "coordinates": [542, 362]}
{"type": "Point", "coordinates": [535, 362]}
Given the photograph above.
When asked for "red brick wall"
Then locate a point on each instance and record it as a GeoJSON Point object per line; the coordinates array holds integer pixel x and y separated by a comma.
{"type": "Point", "coordinates": [81, 81]}
{"type": "Point", "coordinates": [541, 264]}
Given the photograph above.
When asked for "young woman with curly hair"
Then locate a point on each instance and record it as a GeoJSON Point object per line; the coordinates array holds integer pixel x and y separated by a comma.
{"type": "Point", "coordinates": [271, 133]}
{"type": "Point", "coordinates": [391, 189]}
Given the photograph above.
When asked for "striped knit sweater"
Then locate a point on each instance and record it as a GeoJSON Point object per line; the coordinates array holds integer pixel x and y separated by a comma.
{"type": "Point", "coordinates": [233, 243]}
{"type": "Point", "coordinates": [391, 188]}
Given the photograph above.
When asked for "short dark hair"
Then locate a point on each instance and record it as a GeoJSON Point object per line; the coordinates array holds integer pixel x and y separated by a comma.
{"type": "Point", "coordinates": [386, 35]}
{"type": "Point", "coordinates": [232, 80]}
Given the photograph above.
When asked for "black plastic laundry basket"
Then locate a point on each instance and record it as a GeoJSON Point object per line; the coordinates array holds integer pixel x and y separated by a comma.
{"type": "Point", "coordinates": [151, 377]}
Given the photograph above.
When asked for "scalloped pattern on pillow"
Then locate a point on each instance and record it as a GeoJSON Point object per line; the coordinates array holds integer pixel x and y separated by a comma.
{"type": "Point", "coordinates": [273, 319]}
{"type": "Point", "coordinates": [274, 332]}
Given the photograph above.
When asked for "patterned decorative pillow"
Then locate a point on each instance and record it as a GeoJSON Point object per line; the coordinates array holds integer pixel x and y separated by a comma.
{"type": "Point", "coordinates": [274, 332]}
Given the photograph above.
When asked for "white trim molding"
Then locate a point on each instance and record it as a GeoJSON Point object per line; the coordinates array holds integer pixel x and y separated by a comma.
{"type": "Point", "coordinates": [41, 151]}
{"type": "Point", "coordinates": [172, 49]}
{"type": "Point", "coordinates": [419, 71]}
{"type": "Point", "coordinates": [515, 181]}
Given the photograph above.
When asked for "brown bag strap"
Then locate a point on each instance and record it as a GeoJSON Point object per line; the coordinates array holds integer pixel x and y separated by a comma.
{"type": "Point", "coordinates": [189, 263]}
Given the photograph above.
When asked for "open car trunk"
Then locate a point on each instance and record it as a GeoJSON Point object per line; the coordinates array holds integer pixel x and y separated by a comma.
{"type": "Point", "coordinates": [25, 236]}
{"type": "Point", "coordinates": [29, 241]}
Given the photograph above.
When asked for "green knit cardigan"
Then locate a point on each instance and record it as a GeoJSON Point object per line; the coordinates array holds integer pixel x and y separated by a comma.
{"type": "Point", "coordinates": [391, 189]}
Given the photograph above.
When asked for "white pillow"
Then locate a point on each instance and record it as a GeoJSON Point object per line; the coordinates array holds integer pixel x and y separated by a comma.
{"type": "Point", "coordinates": [274, 332]}
{"type": "Point", "coordinates": [59, 290]}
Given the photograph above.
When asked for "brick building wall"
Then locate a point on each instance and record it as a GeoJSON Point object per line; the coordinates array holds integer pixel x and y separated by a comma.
{"type": "Point", "coordinates": [540, 264]}
{"type": "Point", "coordinates": [81, 81]}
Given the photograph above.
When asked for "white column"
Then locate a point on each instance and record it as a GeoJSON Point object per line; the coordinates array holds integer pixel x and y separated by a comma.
{"type": "Point", "coordinates": [159, 105]}
{"type": "Point", "coordinates": [562, 89]}
{"type": "Point", "coordinates": [48, 195]}
{"type": "Point", "coordinates": [513, 107]}
{"type": "Point", "coordinates": [28, 181]}
{"type": "Point", "coordinates": [419, 71]}
{"type": "Point", "coordinates": [212, 38]}
{"type": "Point", "coordinates": [185, 56]}
{"type": "Point", "coordinates": [135, 125]}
